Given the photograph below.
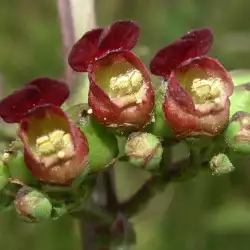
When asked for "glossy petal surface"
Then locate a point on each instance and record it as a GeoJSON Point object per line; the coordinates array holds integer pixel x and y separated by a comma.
{"type": "Point", "coordinates": [193, 44]}
{"type": "Point", "coordinates": [84, 51]}
{"type": "Point", "coordinates": [121, 35]}
{"type": "Point", "coordinates": [14, 107]}
{"type": "Point", "coordinates": [52, 91]}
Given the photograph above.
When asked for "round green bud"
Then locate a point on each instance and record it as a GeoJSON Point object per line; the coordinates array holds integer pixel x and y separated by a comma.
{"type": "Point", "coordinates": [4, 176]}
{"type": "Point", "coordinates": [32, 205]}
{"type": "Point", "coordinates": [144, 150]}
{"type": "Point", "coordinates": [220, 164]}
{"type": "Point", "coordinates": [237, 134]}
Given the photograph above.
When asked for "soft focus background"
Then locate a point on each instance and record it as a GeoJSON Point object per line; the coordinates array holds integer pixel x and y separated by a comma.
{"type": "Point", "coordinates": [207, 213]}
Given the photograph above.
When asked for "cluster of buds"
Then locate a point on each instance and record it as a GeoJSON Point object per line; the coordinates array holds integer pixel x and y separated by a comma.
{"type": "Point", "coordinates": [59, 151]}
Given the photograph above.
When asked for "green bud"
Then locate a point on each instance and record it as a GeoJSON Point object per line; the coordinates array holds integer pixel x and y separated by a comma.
{"type": "Point", "coordinates": [237, 134]}
{"type": "Point", "coordinates": [144, 150]}
{"type": "Point", "coordinates": [103, 146]}
{"type": "Point", "coordinates": [17, 167]}
{"type": "Point", "coordinates": [4, 176]}
{"type": "Point", "coordinates": [220, 164]}
{"type": "Point", "coordinates": [32, 205]}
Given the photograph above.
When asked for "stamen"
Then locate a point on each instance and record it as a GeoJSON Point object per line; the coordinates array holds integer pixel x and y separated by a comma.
{"type": "Point", "coordinates": [206, 90]}
{"type": "Point", "coordinates": [46, 148]}
{"type": "Point", "coordinates": [61, 154]}
{"type": "Point", "coordinates": [126, 84]}
{"type": "Point", "coordinates": [56, 138]}
{"type": "Point", "coordinates": [42, 139]}
{"type": "Point", "coordinates": [56, 144]}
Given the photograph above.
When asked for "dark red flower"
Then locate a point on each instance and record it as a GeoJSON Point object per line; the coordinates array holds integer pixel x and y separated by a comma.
{"type": "Point", "coordinates": [55, 150]}
{"type": "Point", "coordinates": [198, 87]}
{"type": "Point", "coordinates": [197, 98]}
{"type": "Point", "coordinates": [120, 91]}
{"type": "Point", "coordinates": [37, 92]}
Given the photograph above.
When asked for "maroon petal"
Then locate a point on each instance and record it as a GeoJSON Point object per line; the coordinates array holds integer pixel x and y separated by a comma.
{"type": "Point", "coordinates": [193, 44]}
{"type": "Point", "coordinates": [52, 91]}
{"type": "Point", "coordinates": [84, 51]}
{"type": "Point", "coordinates": [178, 93]}
{"type": "Point", "coordinates": [45, 119]}
{"type": "Point", "coordinates": [121, 35]}
{"type": "Point", "coordinates": [14, 107]}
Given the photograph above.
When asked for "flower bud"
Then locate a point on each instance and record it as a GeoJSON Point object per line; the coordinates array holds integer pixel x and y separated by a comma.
{"type": "Point", "coordinates": [144, 150]}
{"type": "Point", "coordinates": [220, 164]}
{"type": "Point", "coordinates": [32, 205]}
{"type": "Point", "coordinates": [237, 134]}
{"type": "Point", "coordinates": [55, 150]}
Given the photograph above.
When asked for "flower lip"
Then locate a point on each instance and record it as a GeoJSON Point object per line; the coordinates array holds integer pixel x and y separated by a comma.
{"type": "Point", "coordinates": [95, 44]}
{"type": "Point", "coordinates": [195, 43]}
{"type": "Point", "coordinates": [121, 35]}
{"type": "Point", "coordinates": [200, 84]}
{"type": "Point", "coordinates": [54, 148]}
{"type": "Point", "coordinates": [14, 107]}
{"type": "Point", "coordinates": [52, 91]}
{"type": "Point", "coordinates": [39, 91]}
{"type": "Point", "coordinates": [84, 52]}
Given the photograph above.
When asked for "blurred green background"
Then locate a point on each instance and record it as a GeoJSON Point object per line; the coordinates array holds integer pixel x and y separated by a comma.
{"type": "Point", "coordinates": [207, 213]}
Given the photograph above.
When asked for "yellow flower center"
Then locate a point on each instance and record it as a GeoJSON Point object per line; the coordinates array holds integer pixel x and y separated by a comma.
{"type": "Point", "coordinates": [57, 143]}
{"type": "Point", "coordinates": [126, 84]}
{"type": "Point", "coordinates": [206, 90]}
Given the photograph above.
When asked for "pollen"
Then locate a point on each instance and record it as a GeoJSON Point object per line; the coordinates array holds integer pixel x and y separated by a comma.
{"type": "Point", "coordinates": [139, 101]}
{"type": "Point", "coordinates": [56, 144]}
{"type": "Point", "coordinates": [61, 154]}
{"type": "Point", "coordinates": [42, 139]}
{"type": "Point", "coordinates": [90, 111]}
{"type": "Point", "coordinates": [126, 84]}
{"type": "Point", "coordinates": [206, 90]}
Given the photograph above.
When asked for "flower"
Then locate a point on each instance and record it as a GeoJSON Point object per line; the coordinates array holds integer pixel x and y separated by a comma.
{"type": "Point", "coordinates": [144, 150]}
{"type": "Point", "coordinates": [120, 93]}
{"type": "Point", "coordinates": [55, 150]}
{"type": "Point", "coordinates": [198, 89]}
{"type": "Point", "coordinates": [237, 134]}
{"type": "Point", "coordinates": [37, 92]}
